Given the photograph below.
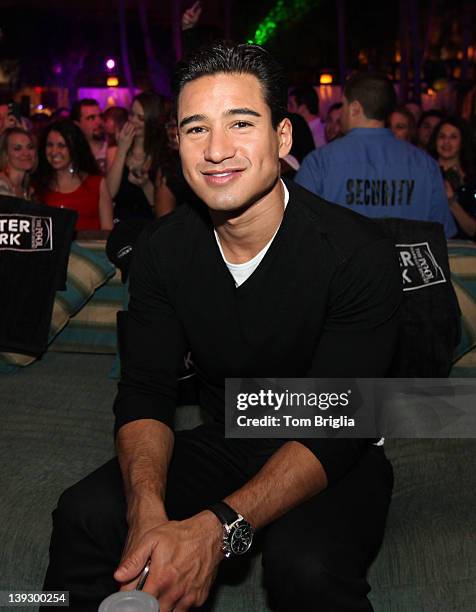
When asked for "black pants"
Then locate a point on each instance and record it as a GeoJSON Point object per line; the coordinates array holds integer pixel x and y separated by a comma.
{"type": "Point", "coordinates": [319, 552]}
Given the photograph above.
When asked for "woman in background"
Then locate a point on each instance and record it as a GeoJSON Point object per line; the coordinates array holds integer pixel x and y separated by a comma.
{"type": "Point", "coordinates": [450, 145]}
{"type": "Point", "coordinates": [171, 187]}
{"type": "Point", "coordinates": [132, 175]}
{"type": "Point", "coordinates": [17, 161]}
{"type": "Point", "coordinates": [69, 177]}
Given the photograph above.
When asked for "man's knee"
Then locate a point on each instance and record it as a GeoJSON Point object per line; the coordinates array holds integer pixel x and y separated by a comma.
{"type": "Point", "coordinates": [295, 581]}
{"type": "Point", "coordinates": [89, 503]}
{"type": "Point", "coordinates": [302, 575]}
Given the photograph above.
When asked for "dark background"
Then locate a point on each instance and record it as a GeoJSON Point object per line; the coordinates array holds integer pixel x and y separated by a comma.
{"type": "Point", "coordinates": [45, 42]}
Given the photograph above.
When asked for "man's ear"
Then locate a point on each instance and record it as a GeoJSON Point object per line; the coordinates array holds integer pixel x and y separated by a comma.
{"type": "Point", "coordinates": [285, 136]}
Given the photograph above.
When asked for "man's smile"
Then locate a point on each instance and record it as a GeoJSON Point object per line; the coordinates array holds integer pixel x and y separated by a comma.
{"type": "Point", "coordinates": [221, 177]}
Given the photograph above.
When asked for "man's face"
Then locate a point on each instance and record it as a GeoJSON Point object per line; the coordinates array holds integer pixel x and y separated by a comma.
{"type": "Point", "coordinates": [333, 127]}
{"type": "Point", "coordinates": [400, 125]}
{"type": "Point", "coordinates": [229, 149]}
{"type": "Point", "coordinates": [91, 122]}
{"type": "Point", "coordinates": [426, 129]}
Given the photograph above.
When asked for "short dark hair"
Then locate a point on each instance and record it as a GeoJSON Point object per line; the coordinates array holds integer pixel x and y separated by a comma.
{"type": "Point", "coordinates": [374, 91]}
{"type": "Point", "coordinates": [466, 157]}
{"type": "Point", "coordinates": [307, 95]}
{"type": "Point", "coordinates": [82, 158]}
{"type": "Point", "coordinates": [75, 113]}
{"type": "Point", "coordinates": [228, 58]}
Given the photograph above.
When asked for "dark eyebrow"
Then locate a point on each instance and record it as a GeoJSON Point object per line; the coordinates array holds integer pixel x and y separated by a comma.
{"type": "Point", "coordinates": [191, 119]}
{"type": "Point", "coordinates": [242, 111]}
{"type": "Point", "coordinates": [229, 112]}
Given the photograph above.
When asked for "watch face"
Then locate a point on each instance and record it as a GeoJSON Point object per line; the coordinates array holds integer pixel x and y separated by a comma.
{"type": "Point", "coordinates": [241, 538]}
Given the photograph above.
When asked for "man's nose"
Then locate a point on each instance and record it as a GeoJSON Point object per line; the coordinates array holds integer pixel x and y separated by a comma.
{"type": "Point", "coordinates": [219, 146]}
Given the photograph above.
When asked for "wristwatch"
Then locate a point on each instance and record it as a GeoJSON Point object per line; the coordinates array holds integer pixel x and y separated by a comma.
{"type": "Point", "coordinates": [237, 532]}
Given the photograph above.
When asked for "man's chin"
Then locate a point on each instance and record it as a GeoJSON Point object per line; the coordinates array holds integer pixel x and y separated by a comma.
{"type": "Point", "coordinates": [223, 204]}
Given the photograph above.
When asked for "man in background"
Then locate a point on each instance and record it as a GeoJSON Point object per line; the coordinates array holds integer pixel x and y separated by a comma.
{"type": "Point", "coordinates": [333, 127]}
{"type": "Point", "coordinates": [305, 102]}
{"type": "Point", "coordinates": [369, 170]}
{"type": "Point", "coordinates": [87, 115]}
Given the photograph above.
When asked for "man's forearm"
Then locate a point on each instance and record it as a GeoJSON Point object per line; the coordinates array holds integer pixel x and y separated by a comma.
{"type": "Point", "coordinates": [290, 477]}
{"type": "Point", "coordinates": [144, 448]}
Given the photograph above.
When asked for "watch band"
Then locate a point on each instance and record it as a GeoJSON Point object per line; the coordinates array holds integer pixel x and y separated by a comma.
{"type": "Point", "coordinates": [225, 513]}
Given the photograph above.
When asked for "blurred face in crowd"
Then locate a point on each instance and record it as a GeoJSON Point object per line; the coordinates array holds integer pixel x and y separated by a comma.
{"type": "Point", "coordinates": [229, 149]}
{"type": "Point", "coordinates": [57, 152]}
{"type": "Point", "coordinates": [400, 126]}
{"type": "Point", "coordinates": [91, 122]}
{"type": "Point", "coordinates": [21, 152]}
{"type": "Point", "coordinates": [425, 130]}
{"type": "Point", "coordinates": [292, 104]}
{"type": "Point", "coordinates": [172, 133]}
{"type": "Point", "coordinates": [137, 118]}
{"type": "Point", "coordinates": [333, 128]}
{"type": "Point", "coordinates": [110, 126]}
{"type": "Point", "coordinates": [3, 116]}
{"type": "Point", "coordinates": [415, 110]}
{"type": "Point", "coordinates": [448, 143]}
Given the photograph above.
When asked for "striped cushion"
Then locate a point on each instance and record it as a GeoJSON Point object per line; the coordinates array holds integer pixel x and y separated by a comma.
{"type": "Point", "coordinates": [462, 259]}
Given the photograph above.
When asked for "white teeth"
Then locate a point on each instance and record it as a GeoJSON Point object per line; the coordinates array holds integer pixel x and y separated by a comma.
{"type": "Point", "coordinates": [222, 174]}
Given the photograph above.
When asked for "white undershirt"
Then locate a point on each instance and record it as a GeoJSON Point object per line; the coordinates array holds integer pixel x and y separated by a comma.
{"type": "Point", "coordinates": [243, 271]}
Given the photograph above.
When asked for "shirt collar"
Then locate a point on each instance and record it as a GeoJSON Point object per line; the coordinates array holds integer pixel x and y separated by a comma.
{"type": "Point", "coordinates": [370, 132]}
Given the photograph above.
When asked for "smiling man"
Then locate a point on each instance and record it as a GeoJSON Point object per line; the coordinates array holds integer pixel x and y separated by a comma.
{"type": "Point", "coordinates": [264, 280]}
{"type": "Point", "coordinates": [87, 115]}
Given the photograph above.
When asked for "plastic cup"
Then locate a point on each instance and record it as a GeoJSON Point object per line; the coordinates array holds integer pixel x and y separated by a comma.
{"type": "Point", "coordinates": [129, 601]}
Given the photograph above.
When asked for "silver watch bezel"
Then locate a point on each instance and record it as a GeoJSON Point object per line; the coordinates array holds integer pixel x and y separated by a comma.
{"type": "Point", "coordinates": [228, 533]}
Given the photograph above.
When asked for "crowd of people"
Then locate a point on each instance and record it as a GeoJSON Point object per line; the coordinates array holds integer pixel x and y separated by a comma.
{"type": "Point", "coordinates": [119, 164]}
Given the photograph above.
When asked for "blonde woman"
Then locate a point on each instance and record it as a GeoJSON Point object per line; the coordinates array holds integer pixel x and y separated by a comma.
{"type": "Point", "coordinates": [18, 159]}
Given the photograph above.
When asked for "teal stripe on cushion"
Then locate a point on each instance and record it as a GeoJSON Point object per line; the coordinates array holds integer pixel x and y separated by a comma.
{"type": "Point", "coordinates": [462, 260]}
{"type": "Point", "coordinates": [109, 294]}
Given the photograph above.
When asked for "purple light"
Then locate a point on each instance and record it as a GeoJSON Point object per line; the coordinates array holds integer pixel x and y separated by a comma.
{"type": "Point", "coordinates": [110, 64]}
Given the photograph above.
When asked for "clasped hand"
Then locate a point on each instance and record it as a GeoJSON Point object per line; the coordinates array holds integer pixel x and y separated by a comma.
{"type": "Point", "coordinates": [184, 559]}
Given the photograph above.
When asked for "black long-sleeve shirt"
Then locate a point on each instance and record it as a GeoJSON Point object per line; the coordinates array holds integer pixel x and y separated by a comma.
{"type": "Point", "coordinates": [322, 303]}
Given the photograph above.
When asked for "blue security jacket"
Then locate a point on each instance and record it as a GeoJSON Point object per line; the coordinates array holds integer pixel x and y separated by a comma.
{"type": "Point", "coordinates": [375, 174]}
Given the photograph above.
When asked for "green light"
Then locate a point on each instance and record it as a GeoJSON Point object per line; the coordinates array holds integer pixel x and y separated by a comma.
{"type": "Point", "coordinates": [283, 11]}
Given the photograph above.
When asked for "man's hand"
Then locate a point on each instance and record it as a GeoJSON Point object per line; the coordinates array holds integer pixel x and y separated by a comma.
{"type": "Point", "coordinates": [184, 559]}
